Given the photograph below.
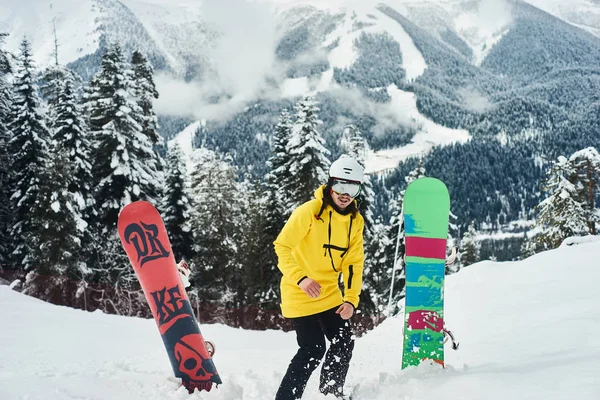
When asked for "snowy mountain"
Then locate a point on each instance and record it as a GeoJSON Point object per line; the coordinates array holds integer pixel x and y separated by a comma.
{"type": "Point", "coordinates": [174, 38]}
{"type": "Point", "coordinates": [488, 91]}
{"type": "Point", "coordinates": [582, 13]}
{"type": "Point", "coordinates": [211, 59]}
{"type": "Point", "coordinates": [527, 331]}
{"type": "Point", "coordinates": [204, 41]}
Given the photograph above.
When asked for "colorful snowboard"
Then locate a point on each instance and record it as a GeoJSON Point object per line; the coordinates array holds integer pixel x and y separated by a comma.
{"type": "Point", "coordinates": [426, 211]}
{"type": "Point", "coordinates": [145, 239]}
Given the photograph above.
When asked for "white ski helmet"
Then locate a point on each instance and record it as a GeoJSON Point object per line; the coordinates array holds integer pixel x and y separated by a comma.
{"type": "Point", "coordinates": [346, 168]}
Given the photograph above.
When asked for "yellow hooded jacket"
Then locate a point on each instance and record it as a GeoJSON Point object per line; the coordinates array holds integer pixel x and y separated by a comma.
{"type": "Point", "coordinates": [320, 249]}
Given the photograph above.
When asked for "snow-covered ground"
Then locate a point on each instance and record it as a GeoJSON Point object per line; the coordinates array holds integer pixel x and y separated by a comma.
{"type": "Point", "coordinates": [185, 139]}
{"type": "Point", "coordinates": [527, 330]}
{"type": "Point", "coordinates": [344, 54]}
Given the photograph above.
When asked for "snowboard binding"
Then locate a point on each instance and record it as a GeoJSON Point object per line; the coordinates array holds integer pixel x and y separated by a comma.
{"type": "Point", "coordinates": [449, 336]}
{"type": "Point", "coordinates": [451, 258]}
{"type": "Point", "coordinates": [210, 347]}
{"type": "Point", "coordinates": [184, 272]}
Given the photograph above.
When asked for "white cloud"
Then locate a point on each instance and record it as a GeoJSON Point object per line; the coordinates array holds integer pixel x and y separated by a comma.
{"type": "Point", "coordinates": [386, 115]}
{"type": "Point", "coordinates": [482, 27]}
{"type": "Point", "coordinates": [242, 62]}
{"type": "Point", "coordinates": [244, 53]}
{"type": "Point", "coordinates": [474, 100]}
{"type": "Point", "coordinates": [494, 15]}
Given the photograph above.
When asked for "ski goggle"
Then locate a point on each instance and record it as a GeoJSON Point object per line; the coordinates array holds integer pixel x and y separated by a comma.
{"type": "Point", "coordinates": [350, 188]}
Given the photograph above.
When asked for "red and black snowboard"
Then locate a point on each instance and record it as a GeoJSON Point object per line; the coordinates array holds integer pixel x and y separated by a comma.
{"type": "Point", "coordinates": [145, 240]}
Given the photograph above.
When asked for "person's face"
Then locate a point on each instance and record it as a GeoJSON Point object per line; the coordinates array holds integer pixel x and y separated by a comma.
{"type": "Point", "coordinates": [341, 200]}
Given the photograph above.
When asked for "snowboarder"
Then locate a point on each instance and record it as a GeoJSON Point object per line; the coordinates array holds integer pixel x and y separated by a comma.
{"type": "Point", "coordinates": [321, 241]}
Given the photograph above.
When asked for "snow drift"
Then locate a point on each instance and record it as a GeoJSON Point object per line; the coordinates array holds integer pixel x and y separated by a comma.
{"type": "Point", "coordinates": [528, 330]}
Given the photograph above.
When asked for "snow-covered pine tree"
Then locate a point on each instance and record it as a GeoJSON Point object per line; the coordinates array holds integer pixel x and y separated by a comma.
{"type": "Point", "coordinates": [5, 208]}
{"type": "Point", "coordinates": [50, 84]}
{"type": "Point", "coordinates": [260, 275]}
{"type": "Point", "coordinates": [176, 205]}
{"type": "Point", "coordinates": [51, 80]}
{"type": "Point", "coordinates": [561, 214]}
{"type": "Point", "coordinates": [529, 245]}
{"type": "Point", "coordinates": [307, 162]}
{"type": "Point", "coordinates": [470, 247]}
{"type": "Point", "coordinates": [278, 175]}
{"type": "Point", "coordinates": [418, 172]}
{"type": "Point", "coordinates": [392, 250]}
{"type": "Point", "coordinates": [28, 147]}
{"type": "Point", "coordinates": [123, 171]}
{"type": "Point", "coordinates": [273, 214]}
{"type": "Point", "coordinates": [72, 138]}
{"type": "Point", "coordinates": [65, 192]}
{"type": "Point", "coordinates": [586, 177]}
{"type": "Point", "coordinates": [451, 242]}
{"type": "Point", "coordinates": [145, 92]}
{"type": "Point", "coordinates": [5, 193]}
{"type": "Point", "coordinates": [378, 264]}
{"type": "Point", "coordinates": [59, 229]}
{"type": "Point", "coordinates": [216, 225]}
{"type": "Point", "coordinates": [72, 144]}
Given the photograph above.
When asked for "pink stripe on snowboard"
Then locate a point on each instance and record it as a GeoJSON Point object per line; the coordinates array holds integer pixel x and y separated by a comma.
{"type": "Point", "coordinates": [423, 319]}
{"type": "Point", "coordinates": [425, 247]}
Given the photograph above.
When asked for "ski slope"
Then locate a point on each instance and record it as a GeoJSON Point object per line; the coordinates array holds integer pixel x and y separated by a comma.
{"type": "Point", "coordinates": [528, 330]}
{"type": "Point", "coordinates": [428, 134]}
{"type": "Point", "coordinates": [376, 22]}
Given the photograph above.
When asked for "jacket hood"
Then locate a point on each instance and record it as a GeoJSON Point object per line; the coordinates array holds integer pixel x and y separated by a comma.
{"type": "Point", "coordinates": [320, 192]}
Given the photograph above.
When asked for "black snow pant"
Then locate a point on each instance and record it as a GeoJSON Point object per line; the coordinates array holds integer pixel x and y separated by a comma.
{"type": "Point", "coordinates": [311, 332]}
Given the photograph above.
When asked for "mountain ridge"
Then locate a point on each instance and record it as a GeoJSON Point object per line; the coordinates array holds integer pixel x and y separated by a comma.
{"type": "Point", "coordinates": [522, 89]}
